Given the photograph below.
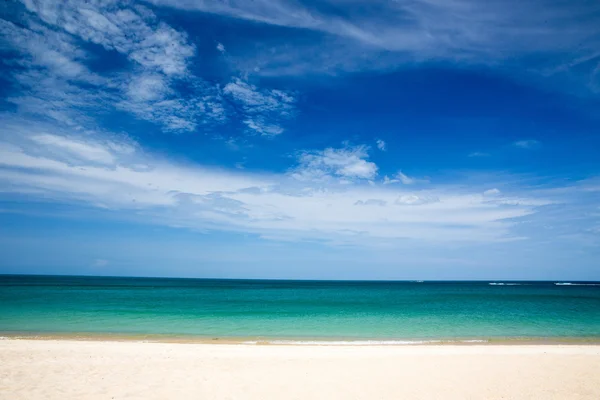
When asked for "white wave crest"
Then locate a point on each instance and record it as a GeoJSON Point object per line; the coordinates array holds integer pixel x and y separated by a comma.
{"type": "Point", "coordinates": [576, 284]}
{"type": "Point", "coordinates": [505, 284]}
{"type": "Point", "coordinates": [360, 342]}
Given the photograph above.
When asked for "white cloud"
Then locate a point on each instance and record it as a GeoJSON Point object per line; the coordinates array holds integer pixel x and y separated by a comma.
{"type": "Point", "coordinates": [106, 172]}
{"type": "Point", "coordinates": [164, 49]}
{"type": "Point", "coordinates": [46, 48]}
{"type": "Point", "coordinates": [156, 85]}
{"type": "Point", "coordinates": [414, 200]}
{"type": "Point", "coordinates": [405, 179]}
{"type": "Point", "coordinates": [491, 192]}
{"type": "Point", "coordinates": [134, 31]}
{"type": "Point", "coordinates": [527, 144]}
{"type": "Point", "coordinates": [260, 126]}
{"type": "Point", "coordinates": [387, 180]}
{"type": "Point", "coordinates": [220, 47]}
{"type": "Point", "coordinates": [149, 87]}
{"type": "Point", "coordinates": [347, 162]}
{"type": "Point", "coordinates": [256, 100]}
{"type": "Point", "coordinates": [149, 97]}
{"type": "Point", "coordinates": [553, 37]}
{"type": "Point", "coordinates": [263, 110]}
{"type": "Point", "coordinates": [324, 197]}
{"type": "Point", "coordinates": [381, 145]}
{"type": "Point", "coordinates": [53, 70]}
{"type": "Point", "coordinates": [87, 151]}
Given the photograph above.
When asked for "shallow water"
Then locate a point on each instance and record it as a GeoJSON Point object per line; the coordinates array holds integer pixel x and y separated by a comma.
{"type": "Point", "coordinates": [298, 310]}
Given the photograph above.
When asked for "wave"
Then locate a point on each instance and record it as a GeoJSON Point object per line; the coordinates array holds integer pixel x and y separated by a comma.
{"type": "Point", "coordinates": [360, 342]}
{"type": "Point", "coordinates": [505, 284]}
{"type": "Point", "coordinates": [576, 284]}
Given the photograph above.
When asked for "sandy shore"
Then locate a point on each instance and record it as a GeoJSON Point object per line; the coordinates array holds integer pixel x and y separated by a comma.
{"type": "Point", "coordinates": [62, 369]}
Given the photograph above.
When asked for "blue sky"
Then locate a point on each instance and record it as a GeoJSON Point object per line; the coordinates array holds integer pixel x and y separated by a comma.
{"type": "Point", "coordinates": [335, 139]}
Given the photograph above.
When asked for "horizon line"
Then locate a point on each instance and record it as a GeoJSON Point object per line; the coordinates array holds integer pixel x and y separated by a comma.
{"type": "Point", "coordinates": [309, 280]}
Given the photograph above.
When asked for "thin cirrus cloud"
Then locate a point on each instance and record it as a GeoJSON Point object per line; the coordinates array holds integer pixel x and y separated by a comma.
{"type": "Point", "coordinates": [528, 144]}
{"type": "Point", "coordinates": [479, 154]}
{"type": "Point", "coordinates": [134, 32]}
{"type": "Point", "coordinates": [401, 177]}
{"type": "Point", "coordinates": [263, 109]}
{"type": "Point", "coordinates": [563, 35]}
{"type": "Point", "coordinates": [120, 178]}
{"type": "Point", "coordinates": [156, 84]}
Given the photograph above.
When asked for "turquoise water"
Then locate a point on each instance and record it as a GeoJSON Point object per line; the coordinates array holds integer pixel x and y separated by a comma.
{"type": "Point", "coordinates": [297, 309]}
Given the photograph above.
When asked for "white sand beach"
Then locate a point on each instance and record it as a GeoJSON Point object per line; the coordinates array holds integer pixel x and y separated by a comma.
{"type": "Point", "coordinates": [69, 369]}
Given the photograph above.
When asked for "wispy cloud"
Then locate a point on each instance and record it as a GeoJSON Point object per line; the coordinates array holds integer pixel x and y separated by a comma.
{"type": "Point", "coordinates": [57, 74]}
{"type": "Point", "coordinates": [408, 180]}
{"type": "Point", "coordinates": [527, 144]}
{"type": "Point", "coordinates": [260, 107]}
{"type": "Point", "coordinates": [479, 154]}
{"type": "Point", "coordinates": [154, 82]}
{"type": "Point", "coordinates": [52, 74]}
{"type": "Point", "coordinates": [381, 145]}
{"type": "Point", "coordinates": [561, 36]}
{"type": "Point", "coordinates": [101, 170]}
{"type": "Point", "coordinates": [404, 179]}
{"type": "Point", "coordinates": [132, 31]}
{"type": "Point", "coordinates": [72, 149]}
{"type": "Point", "coordinates": [329, 203]}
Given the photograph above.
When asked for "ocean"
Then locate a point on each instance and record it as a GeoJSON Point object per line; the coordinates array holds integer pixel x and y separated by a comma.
{"type": "Point", "coordinates": [254, 311]}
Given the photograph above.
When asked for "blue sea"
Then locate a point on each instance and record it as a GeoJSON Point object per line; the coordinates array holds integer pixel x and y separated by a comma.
{"type": "Point", "coordinates": [298, 311]}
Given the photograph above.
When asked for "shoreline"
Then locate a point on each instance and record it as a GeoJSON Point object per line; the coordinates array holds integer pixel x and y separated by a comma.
{"type": "Point", "coordinates": [304, 341]}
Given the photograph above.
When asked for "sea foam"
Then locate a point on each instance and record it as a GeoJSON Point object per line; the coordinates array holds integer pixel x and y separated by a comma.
{"type": "Point", "coordinates": [505, 284]}
{"type": "Point", "coordinates": [359, 342]}
{"type": "Point", "coordinates": [576, 284]}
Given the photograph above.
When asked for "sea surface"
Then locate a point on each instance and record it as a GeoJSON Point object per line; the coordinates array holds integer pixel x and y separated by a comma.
{"type": "Point", "coordinates": [298, 311]}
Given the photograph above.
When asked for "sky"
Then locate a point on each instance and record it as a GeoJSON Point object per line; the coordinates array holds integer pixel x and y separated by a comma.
{"type": "Point", "coordinates": [324, 139]}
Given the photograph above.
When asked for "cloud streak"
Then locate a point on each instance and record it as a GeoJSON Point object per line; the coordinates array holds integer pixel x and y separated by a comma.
{"type": "Point", "coordinates": [479, 154]}
{"type": "Point", "coordinates": [259, 107]}
{"type": "Point", "coordinates": [556, 38]}
{"type": "Point", "coordinates": [329, 203]}
{"type": "Point", "coordinates": [529, 144]}
{"type": "Point", "coordinates": [401, 177]}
